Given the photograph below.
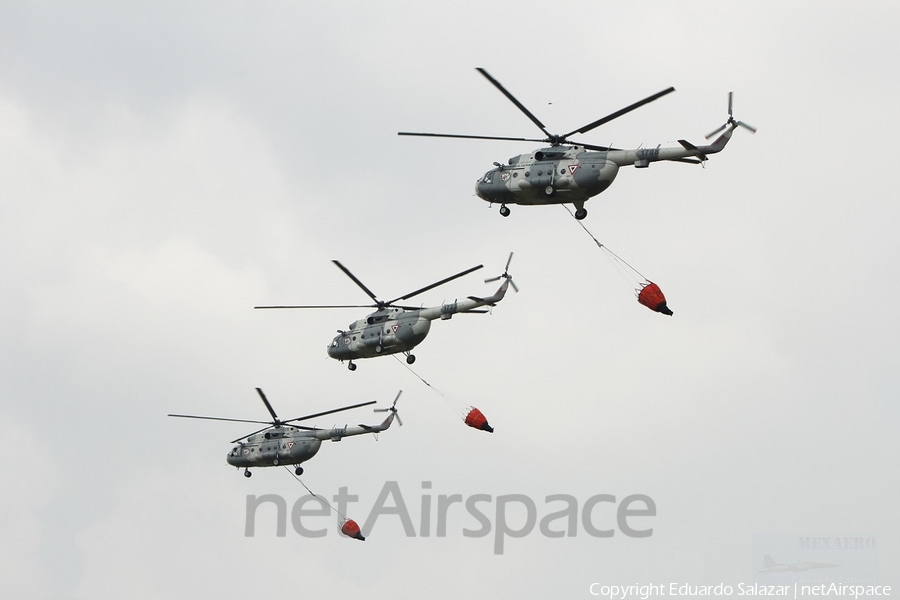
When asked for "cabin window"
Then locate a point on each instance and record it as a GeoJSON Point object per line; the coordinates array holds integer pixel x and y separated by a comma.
{"type": "Point", "coordinates": [515, 174]}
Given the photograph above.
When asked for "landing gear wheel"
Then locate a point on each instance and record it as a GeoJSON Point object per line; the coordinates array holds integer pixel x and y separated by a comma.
{"type": "Point", "coordinates": [549, 190]}
{"type": "Point", "coordinates": [275, 462]}
{"type": "Point", "coordinates": [247, 473]}
{"type": "Point", "coordinates": [504, 212]}
{"type": "Point", "coordinates": [351, 366]}
{"type": "Point", "coordinates": [298, 471]}
{"type": "Point", "coordinates": [581, 213]}
{"type": "Point", "coordinates": [410, 359]}
{"type": "Point", "coordinates": [378, 349]}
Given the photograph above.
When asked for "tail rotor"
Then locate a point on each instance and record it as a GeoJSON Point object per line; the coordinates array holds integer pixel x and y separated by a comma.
{"type": "Point", "coordinates": [731, 120]}
{"type": "Point", "coordinates": [505, 275]}
{"type": "Point", "coordinates": [393, 409]}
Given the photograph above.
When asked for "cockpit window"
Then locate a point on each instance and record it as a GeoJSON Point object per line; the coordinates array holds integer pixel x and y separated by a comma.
{"type": "Point", "coordinates": [488, 177]}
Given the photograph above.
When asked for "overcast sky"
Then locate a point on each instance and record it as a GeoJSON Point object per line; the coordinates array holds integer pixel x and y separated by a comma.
{"type": "Point", "coordinates": [164, 168]}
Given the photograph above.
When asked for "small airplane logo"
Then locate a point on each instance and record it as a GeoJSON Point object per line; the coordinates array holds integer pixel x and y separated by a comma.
{"type": "Point", "coordinates": [770, 566]}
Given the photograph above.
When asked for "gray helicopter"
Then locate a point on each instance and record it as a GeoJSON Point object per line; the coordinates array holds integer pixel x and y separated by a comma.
{"type": "Point", "coordinates": [279, 444]}
{"type": "Point", "coordinates": [573, 172]}
{"type": "Point", "coordinates": [394, 328]}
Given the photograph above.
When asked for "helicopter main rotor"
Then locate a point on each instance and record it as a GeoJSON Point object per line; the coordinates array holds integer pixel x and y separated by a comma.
{"type": "Point", "coordinates": [552, 139]}
{"type": "Point", "coordinates": [379, 304]}
{"type": "Point", "coordinates": [275, 422]}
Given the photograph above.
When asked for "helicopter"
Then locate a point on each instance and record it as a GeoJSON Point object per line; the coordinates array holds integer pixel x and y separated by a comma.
{"type": "Point", "coordinates": [573, 172]}
{"type": "Point", "coordinates": [395, 328]}
{"type": "Point", "coordinates": [279, 443]}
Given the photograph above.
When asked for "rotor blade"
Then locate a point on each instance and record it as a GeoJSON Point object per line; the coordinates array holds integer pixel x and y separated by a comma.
{"type": "Point", "coordinates": [722, 128]}
{"type": "Point", "coordinates": [434, 285]}
{"type": "Point", "coordinates": [619, 113]}
{"type": "Point", "coordinates": [595, 148]}
{"type": "Point", "coordinates": [746, 126]}
{"type": "Point", "coordinates": [248, 435]}
{"type": "Point", "coordinates": [328, 412]}
{"type": "Point", "coordinates": [268, 406]}
{"type": "Point", "coordinates": [393, 406]}
{"type": "Point", "coordinates": [514, 101]}
{"type": "Point", "coordinates": [220, 419]}
{"type": "Point", "coordinates": [474, 310]}
{"type": "Point", "coordinates": [320, 306]}
{"type": "Point", "coordinates": [355, 280]}
{"type": "Point", "coordinates": [730, 95]}
{"type": "Point", "coordinates": [471, 137]}
{"type": "Point", "coordinates": [509, 260]}
{"type": "Point", "coordinates": [513, 284]}
{"type": "Point", "coordinates": [399, 420]}
{"type": "Point", "coordinates": [497, 278]}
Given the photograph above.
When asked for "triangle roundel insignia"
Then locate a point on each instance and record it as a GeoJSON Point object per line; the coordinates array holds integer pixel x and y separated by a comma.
{"type": "Point", "coordinates": [572, 169]}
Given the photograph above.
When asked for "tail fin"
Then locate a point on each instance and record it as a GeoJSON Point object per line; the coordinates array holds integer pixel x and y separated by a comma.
{"type": "Point", "coordinates": [689, 146]}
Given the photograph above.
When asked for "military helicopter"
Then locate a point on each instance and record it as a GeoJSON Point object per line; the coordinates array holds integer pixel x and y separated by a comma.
{"type": "Point", "coordinates": [279, 443]}
{"type": "Point", "coordinates": [573, 172]}
{"type": "Point", "coordinates": [395, 328]}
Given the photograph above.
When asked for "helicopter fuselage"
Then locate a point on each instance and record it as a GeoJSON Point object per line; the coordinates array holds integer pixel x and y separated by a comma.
{"type": "Point", "coordinates": [571, 174]}
{"type": "Point", "coordinates": [277, 446]}
{"type": "Point", "coordinates": [386, 331]}
{"type": "Point", "coordinates": [286, 445]}
{"type": "Point", "coordinates": [394, 330]}
{"type": "Point", "coordinates": [563, 174]}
